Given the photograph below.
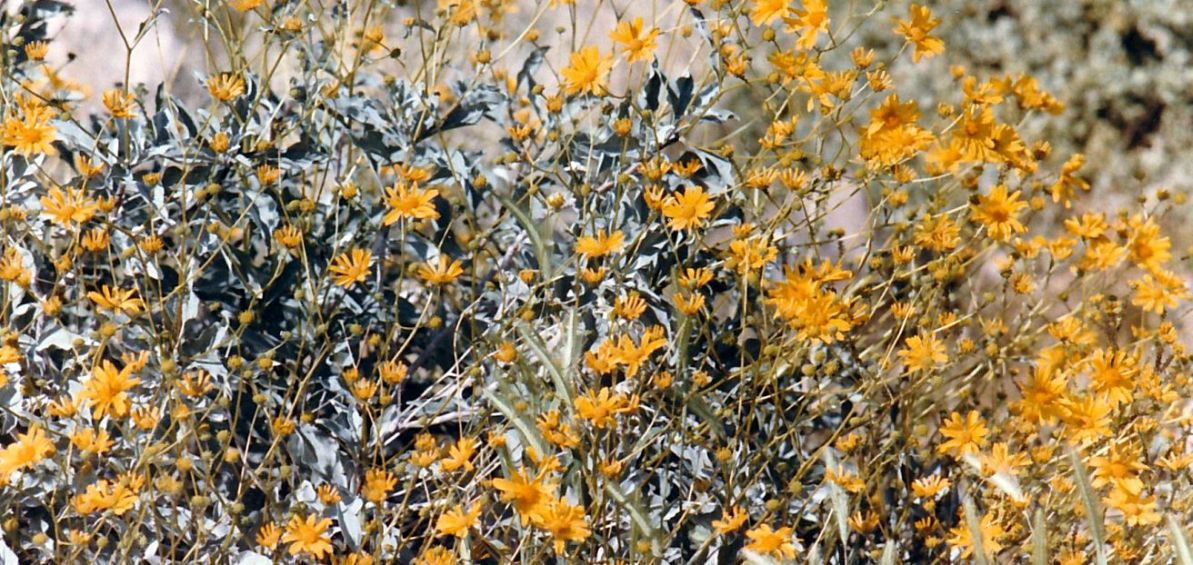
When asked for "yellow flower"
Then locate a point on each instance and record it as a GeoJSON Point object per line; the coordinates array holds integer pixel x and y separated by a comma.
{"type": "Point", "coordinates": [565, 522]}
{"type": "Point", "coordinates": [437, 555]}
{"type": "Point", "coordinates": [639, 44]}
{"type": "Point", "coordinates": [1137, 510]}
{"type": "Point", "coordinates": [37, 50]}
{"type": "Point", "coordinates": [268, 174]}
{"type": "Point", "coordinates": [966, 435]}
{"type": "Point", "coordinates": [288, 236]}
{"type": "Point", "coordinates": [225, 86]}
{"type": "Point", "coordinates": [151, 244]}
{"type": "Point", "coordinates": [31, 134]}
{"type": "Point", "coordinates": [363, 390]}
{"type": "Point", "coordinates": [528, 496]}
{"type": "Point", "coordinates": [393, 372]}
{"type": "Point", "coordinates": [845, 479]}
{"type": "Point", "coordinates": [938, 234]}
{"type": "Point", "coordinates": [268, 536]}
{"type": "Point", "coordinates": [146, 418]}
{"type": "Point", "coordinates": [1041, 395]}
{"type": "Point", "coordinates": [973, 138]}
{"type": "Point", "coordinates": [507, 352]}
{"type": "Point", "coordinates": [766, 12]}
{"type": "Point", "coordinates": [306, 535]}
{"type": "Point", "coordinates": [929, 487]}
{"type": "Point", "coordinates": [689, 305]}
{"type": "Point", "coordinates": [90, 441]}
{"type": "Point", "coordinates": [587, 72]}
{"type": "Point", "coordinates": [106, 392]}
{"type": "Point", "coordinates": [378, 483]}
{"type": "Point", "coordinates": [119, 103]}
{"type": "Point", "coordinates": [329, 495]}
{"type": "Point", "coordinates": [1068, 182]}
{"type": "Point", "coordinates": [351, 267]}
{"type": "Point", "coordinates": [245, 5]}
{"type": "Point", "coordinates": [1087, 418]}
{"type": "Point", "coordinates": [443, 271]}
{"type": "Point", "coordinates": [923, 352]}
{"type": "Point", "coordinates": [988, 528]}
{"type": "Point", "coordinates": [810, 22]}
{"type": "Point", "coordinates": [749, 255]}
{"type": "Point", "coordinates": [1158, 292]}
{"type": "Point", "coordinates": [600, 408]}
{"type": "Point", "coordinates": [1120, 466]}
{"type": "Point", "coordinates": [916, 31]}
{"type": "Point", "coordinates": [119, 496]}
{"type": "Point", "coordinates": [1112, 373]}
{"type": "Point", "coordinates": [95, 240]}
{"type": "Point", "coordinates": [408, 201]}
{"type": "Point", "coordinates": [688, 210]}
{"type": "Point", "coordinates": [556, 432]}
{"type": "Point", "coordinates": [1148, 248]}
{"type": "Point", "coordinates": [630, 306]}
{"type": "Point", "coordinates": [65, 208]}
{"type": "Point", "coordinates": [600, 245]}
{"type": "Point", "coordinates": [12, 265]}
{"type": "Point", "coordinates": [731, 520]}
{"type": "Point", "coordinates": [770, 542]}
{"type": "Point", "coordinates": [1002, 460]}
{"type": "Point", "coordinates": [999, 212]}
{"type": "Point", "coordinates": [29, 449]}
{"type": "Point", "coordinates": [459, 456]}
{"type": "Point", "coordinates": [456, 522]}
{"type": "Point", "coordinates": [117, 300]}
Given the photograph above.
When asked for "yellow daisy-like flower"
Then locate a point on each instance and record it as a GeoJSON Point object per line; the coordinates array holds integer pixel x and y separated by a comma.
{"type": "Point", "coordinates": [306, 536]}
{"type": "Point", "coordinates": [352, 267]}
{"type": "Point", "coordinates": [406, 201]}
{"type": "Point", "coordinates": [118, 103]}
{"type": "Point", "coordinates": [916, 30]}
{"type": "Point", "coordinates": [639, 43]}
{"type": "Point", "coordinates": [966, 435]}
{"type": "Point", "coordinates": [587, 72]}
{"type": "Point", "coordinates": [565, 522]}
{"type": "Point", "coordinates": [999, 213]}
{"type": "Point", "coordinates": [443, 271]}
{"type": "Point", "coordinates": [767, 541]}
{"type": "Point", "coordinates": [225, 86]}
{"type": "Point", "coordinates": [528, 496]}
{"type": "Point", "coordinates": [923, 352]}
{"type": "Point", "coordinates": [31, 134]}
{"type": "Point", "coordinates": [601, 244]}
{"type": "Point", "coordinates": [30, 448]}
{"type": "Point", "coordinates": [731, 520]}
{"type": "Point", "coordinates": [457, 521]}
{"type": "Point", "coordinates": [378, 483]}
{"type": "Point", "coordinates": [688, 210]}
{"type": "Point", "coordinates": [69, 207]}
{"type": "Point", "coordinates": [766, 12]}
{"type": "Point", "coordinates": [117, 300]}
{"type": "Point", "coordinates": [268, 536]}
{"type": "Point", "coordinates": [106, 392]}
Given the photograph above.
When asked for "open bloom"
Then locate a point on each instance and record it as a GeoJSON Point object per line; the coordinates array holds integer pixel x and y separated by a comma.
{"type": "Point", "coordinates": [588, 72]}
{"type": "Point", "coordinates": [306, 536]}
{"type": "Point", "coordinates": [350, 268]}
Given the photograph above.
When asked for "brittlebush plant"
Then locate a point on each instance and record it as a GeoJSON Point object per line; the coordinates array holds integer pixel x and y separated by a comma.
{"type": "Point", "coordinates": [484, 281]}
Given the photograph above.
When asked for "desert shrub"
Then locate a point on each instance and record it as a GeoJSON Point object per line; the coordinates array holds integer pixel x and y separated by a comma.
{"type": "Point", "coordinates": [444, 283]}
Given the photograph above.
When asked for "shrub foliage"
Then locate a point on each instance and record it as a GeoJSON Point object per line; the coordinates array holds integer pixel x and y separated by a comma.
{"type": "Point", "coordinates": [445, 283]}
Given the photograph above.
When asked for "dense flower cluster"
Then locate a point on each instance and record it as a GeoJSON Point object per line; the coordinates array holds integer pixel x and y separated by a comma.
{"type": "Point", "coordinates": [437, 284]}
